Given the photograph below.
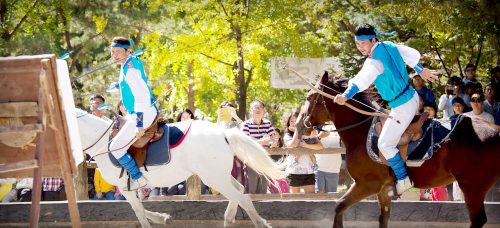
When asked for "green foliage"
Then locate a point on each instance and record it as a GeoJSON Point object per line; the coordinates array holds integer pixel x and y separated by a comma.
{"type": "Point", "coordinates": [192, 46]}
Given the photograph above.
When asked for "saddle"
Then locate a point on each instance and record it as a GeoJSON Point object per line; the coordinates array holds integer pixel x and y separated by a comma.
{"type": "Point", "coordinates": [413, 133]}
{"type": "Point", "coordinates": [139, 148]}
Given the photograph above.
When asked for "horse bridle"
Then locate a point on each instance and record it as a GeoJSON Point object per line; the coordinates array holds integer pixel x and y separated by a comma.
{"type": "Point", "coordinates": [320, 98]}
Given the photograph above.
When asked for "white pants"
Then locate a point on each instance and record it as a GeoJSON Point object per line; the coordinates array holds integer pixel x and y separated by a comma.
{"type": "Point", "coordinates": [122, 141]}
{"type": "Point", "coordinates": [392, 131]}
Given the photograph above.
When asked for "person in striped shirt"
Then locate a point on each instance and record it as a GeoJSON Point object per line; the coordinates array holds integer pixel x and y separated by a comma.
{"type": "Point", "coordinates": [261, 130]}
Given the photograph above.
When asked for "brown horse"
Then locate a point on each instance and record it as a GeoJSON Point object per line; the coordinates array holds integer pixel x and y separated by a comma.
{"type": "Point", "coordinates": [474, 164]}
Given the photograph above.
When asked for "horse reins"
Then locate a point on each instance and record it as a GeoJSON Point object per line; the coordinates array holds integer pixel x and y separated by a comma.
{"type": "Point", "coordinates": [376, 113]}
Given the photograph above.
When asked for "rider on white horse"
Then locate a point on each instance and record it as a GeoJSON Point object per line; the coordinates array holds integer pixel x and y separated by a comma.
{"type": "Point", "coordinates": [385, 67]}
{"type": "Point", "coordinates": [139, 102]}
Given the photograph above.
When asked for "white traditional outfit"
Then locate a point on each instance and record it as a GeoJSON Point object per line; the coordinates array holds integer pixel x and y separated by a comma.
{"type": "Point", "coordinates": [385, 67]}
{"type": "Point", "coordinates": [138, 99]}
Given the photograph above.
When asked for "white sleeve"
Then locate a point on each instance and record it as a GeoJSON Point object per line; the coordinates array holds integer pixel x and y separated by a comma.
{"type": "Point", "coordinates": [410, 56]}
{"type": "Point", "coordinates": [139, 88]}
{"type": "Point", "coordinates": [443, 101]}
{"type": "Point", "coordinates": [369, 72]}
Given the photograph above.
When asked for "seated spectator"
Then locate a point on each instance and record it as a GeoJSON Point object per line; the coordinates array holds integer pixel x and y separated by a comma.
{"type": "Point", "coordinates": [426, 94]}
{"type": "Point", "coordinates": [53, 189]}
{"type": "Point", "coordinates": [490, 105]}
{"type": "Point", "coordinates": [453, 89]}
{"type": "Point", "coordinates": [8, 191]}
{"type": "Point", "coordinates": [103, 190]}
{"type": "Point", "coordinates": [24, 189]}
{"type": "Point", "coordinates": [263, 132]}
{"type": "Point", "coordinates": [477, 102]}
{"type": "Point", "coordinates": [327, 175]}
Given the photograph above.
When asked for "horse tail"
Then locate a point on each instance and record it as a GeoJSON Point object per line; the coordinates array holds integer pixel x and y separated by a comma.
{"type": "Point", "coordinates": [253, 154]}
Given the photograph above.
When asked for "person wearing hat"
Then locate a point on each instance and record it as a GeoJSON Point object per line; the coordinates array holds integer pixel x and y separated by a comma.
{"type": "Point", "coordinates": [477, 103]}
{"type": "Point", "coordinates": [385, 66]}
{"type": "Point", "coordinates": [139, 103]}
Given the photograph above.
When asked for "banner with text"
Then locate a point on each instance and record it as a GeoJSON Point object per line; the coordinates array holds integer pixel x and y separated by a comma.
{"type": "Point", "coordinates": [310, 68]}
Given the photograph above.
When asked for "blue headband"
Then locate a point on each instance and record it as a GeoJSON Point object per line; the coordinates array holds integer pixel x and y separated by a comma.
{"type": "Point", "coordinates": [123, 45]}
{"type": "Point", "coordinates": [367, 37]}
{"type": "Point", "coordinates": [364, 37]}
{"type": "Point", "coordinates": [120, 45]}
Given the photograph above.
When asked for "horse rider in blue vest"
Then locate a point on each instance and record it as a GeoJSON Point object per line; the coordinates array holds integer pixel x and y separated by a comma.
{"type": "Point", "coordinates": [385, 67]}
{"type": "Point", "coordinates": [138, 99]}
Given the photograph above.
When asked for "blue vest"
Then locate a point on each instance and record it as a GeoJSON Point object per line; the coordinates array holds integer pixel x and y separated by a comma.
{"type": "Point", "coordinates": [393, 83]}
{"type": "Point", "coordinates": [127, 96]}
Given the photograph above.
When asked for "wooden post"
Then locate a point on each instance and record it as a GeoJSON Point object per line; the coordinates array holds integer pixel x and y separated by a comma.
{"type": "Point", "coordinates": [193, 185]}
{"type": "Point", "coordinates": [81, 182]}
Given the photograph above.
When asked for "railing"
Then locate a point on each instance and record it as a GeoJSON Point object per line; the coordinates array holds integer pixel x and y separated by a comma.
{"type": "Point", "coordinates": [194, 183]}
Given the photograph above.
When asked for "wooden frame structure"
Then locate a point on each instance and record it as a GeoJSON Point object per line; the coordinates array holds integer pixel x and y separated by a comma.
{"type": "Point", "coordinates": [34, 135]}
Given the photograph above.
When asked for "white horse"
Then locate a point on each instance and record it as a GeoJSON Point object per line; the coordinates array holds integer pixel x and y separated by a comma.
{"type": "Point", "coordinates": [204, 152]}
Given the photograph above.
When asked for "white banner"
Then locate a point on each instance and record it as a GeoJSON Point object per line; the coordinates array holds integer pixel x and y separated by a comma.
{"type": "Point", "coordinates": [311, 68]}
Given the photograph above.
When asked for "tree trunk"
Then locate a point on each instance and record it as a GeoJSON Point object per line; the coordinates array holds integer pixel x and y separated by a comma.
{"type": "Point", "coordinates": [241, 94]}
{"type": "Point", "coordinates": [190, 91]}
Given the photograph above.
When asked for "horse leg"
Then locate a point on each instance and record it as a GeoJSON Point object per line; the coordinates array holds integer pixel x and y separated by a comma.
{"type": "Point", "coordinates": [137, 206]}
{"type": "Point", "coordinates": [384, 202]}
{"type": "Point", "coordinates": [158, 218]}
{"type": "Point", "coordinates": [355, 194]}
{"type": "Point", "coordinates": [474, 200]}
{"type": "Point", "coordinates": [225, 186]}
{"type": "Point", "coordinates": [232, 207]}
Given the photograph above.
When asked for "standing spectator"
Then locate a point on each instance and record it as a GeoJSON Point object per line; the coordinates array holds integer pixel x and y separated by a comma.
{"type": "Point", "coordinates": [226, 115]}
{"type": "Point", "coordinates": [426, 94]}
{"type": "Point", "coordinates": [470, 75]}
{"type": "Point", "coordinates": [327, 175]}
{"type": "Point", "coordinates": [53, 189]}
{"type": "Point", "coordinates": [458, 106]}
{"type": "Point", "coordinates": [261, 130]}
{"type": "Point", "coordinates": [181, 188]}
{"type": "Point", "coordinates": [495, 81]}
{"type": "Point", "coordinates": [103, 190]}
{"type": "Point", "coordinates": [227, 118]}
{"type": "Point", "coordinates": [300, 167]}
{"type": "Point", "coordinates": [453, 89]}
{"type": "Point", "coordinates": [431, 109]}
{"type": "Point", "coordinates": [477, 102]}
{"type": "Point", "coordinates": [490, 105]}
{"type": "Point", "coordinates": [95, 102]}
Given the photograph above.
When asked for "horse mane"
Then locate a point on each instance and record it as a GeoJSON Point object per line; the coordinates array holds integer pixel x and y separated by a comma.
{"type": "Point", "coordinates": [474, 131]}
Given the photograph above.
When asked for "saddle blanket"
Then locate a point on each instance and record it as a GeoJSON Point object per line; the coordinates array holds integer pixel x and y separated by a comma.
{"type": "Point", "coordinates": [435, 133]}
{"type": "Point", "coordinates": [159, 151]}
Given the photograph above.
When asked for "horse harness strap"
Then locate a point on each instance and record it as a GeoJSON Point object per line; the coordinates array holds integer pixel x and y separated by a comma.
{"type": "Point", "coordinates": [320, 127]}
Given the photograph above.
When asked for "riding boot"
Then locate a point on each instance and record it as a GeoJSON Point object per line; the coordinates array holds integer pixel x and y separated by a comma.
{"type": "Point", "coordinates": [403, 182]}
{"type": "Point", "coordinates": [138, 180]}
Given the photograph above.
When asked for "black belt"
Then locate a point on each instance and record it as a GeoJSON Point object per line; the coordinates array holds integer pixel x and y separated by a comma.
{"type": "Point", "coordinates": [404, 90]}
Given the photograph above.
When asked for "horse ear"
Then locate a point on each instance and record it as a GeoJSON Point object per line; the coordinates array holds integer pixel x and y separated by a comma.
{"type": "Point", "coordinates": [325, 78]}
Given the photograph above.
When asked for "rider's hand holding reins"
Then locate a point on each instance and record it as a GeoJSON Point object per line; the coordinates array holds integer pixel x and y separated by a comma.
{"type": "Point", "coordinates": [340, 99]}
{"type": "Point", "coordinates": [429, 75]}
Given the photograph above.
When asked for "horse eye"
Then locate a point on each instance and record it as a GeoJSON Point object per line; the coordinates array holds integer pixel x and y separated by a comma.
{"type": "Point", "coordinates": [308, 98]}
